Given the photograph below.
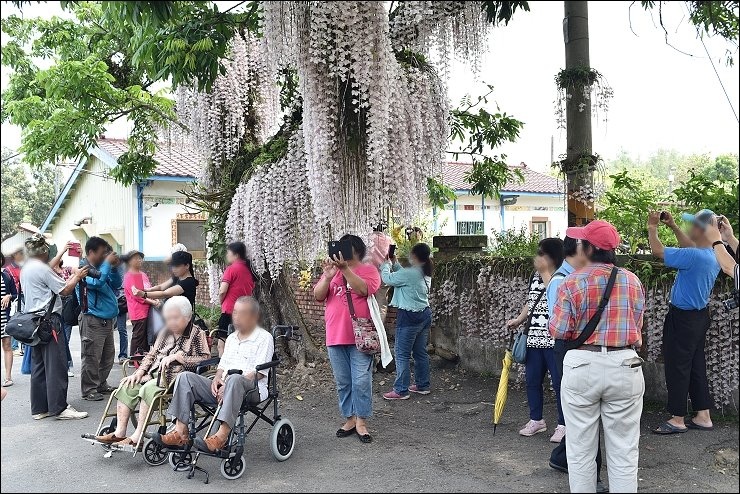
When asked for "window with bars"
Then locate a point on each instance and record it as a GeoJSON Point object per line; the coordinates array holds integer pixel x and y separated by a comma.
{"type": "Point", "coordinates": [470, 228]}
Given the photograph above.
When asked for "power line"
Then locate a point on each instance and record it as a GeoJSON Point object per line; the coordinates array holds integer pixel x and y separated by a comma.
{"type": "Point", "coordinates": [729, 101]}
{"type": "Point", "coordinates": [11, 157]}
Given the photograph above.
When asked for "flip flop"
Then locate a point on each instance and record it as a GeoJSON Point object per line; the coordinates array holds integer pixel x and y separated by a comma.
{"type": "Point", "coordinates": [7, 383]}
{"type": "Point", "coordinates": [690, 424]}
{"type": "Point", "coordinates": [667, 428]}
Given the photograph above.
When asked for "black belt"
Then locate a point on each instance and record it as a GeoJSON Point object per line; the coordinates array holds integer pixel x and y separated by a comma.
{"type": "Point", "coordinates": [598, 348]}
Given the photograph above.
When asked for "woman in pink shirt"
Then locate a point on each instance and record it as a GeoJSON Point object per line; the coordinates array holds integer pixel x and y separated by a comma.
{"type": "Point", "coordinates": [353, 370]}
{"type": "Point", "coordinates": [138, 307]}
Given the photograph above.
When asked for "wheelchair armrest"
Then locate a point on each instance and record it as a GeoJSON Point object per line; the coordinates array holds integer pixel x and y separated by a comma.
{"type": "Point", "coordinates": [136, 358]}
{"type": "Point", "coordinates": [204, 365]}
{"type": "Point", "coordinates": [219, 334]}
{"type": "Point", "coordinates": [268, 365]}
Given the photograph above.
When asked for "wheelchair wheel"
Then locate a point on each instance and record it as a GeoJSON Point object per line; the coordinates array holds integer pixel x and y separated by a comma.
{"type": "Point", "coordinates": [153, 454]}
{"type": "Point", "coordinates": [282, 440]}
{"type": "Point", "coordinates": [233, 468]}
{"type": "Point", "coordinates": [180, 461]}
{"type": "Point", "coordinates": [107, 429]}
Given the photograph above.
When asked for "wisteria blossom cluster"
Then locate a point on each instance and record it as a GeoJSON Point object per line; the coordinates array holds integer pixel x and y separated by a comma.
{"type": "Point", "coordinates": [373, 129]}
{"type": "Point", "coordinates": [479, 304]}
{"type": "Point", "coordinates": [440, 30]}
{"type": "Point", "coordinates": [272, 212]}
{"type": "Point", "coordinates": [244, 101]}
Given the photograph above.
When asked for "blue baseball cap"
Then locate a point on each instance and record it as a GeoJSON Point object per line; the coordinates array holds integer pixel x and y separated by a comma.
{"type": "Point", "coordinates": [702, 218]}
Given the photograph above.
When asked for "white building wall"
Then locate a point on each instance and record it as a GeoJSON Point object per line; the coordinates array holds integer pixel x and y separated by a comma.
{"type": "Point", "coordinates": [111, 206]}
{"type": "Point", "coordinates": [170, 203]}
{"type": "Point", "coordinates": [548, 208]}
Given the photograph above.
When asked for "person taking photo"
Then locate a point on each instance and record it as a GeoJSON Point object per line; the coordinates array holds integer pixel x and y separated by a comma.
{"type": "Point", "coordinates": [687, 322]}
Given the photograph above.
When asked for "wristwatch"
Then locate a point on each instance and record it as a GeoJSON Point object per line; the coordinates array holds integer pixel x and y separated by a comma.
{"type": "Point", "coordinates": [718, 242]}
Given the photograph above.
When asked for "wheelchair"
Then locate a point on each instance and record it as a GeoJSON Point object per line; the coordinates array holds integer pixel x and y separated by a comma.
{"type": "Point", "coordinates": [156, 416]}
{"type": "Point", "coordinates": [233, 462]}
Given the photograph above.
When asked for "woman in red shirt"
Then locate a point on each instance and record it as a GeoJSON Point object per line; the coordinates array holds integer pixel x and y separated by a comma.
{"type": "Point", "coordinates": [236, 282]}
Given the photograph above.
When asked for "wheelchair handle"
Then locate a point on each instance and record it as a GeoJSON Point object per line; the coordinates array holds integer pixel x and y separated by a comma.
{"type": "Point", "coordinates": [268, 365]}
{"type": "Point", "coordinates": [204, 365]}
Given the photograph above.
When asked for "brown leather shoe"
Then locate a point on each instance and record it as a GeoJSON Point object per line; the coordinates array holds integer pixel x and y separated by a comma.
{"type": "Point", "coordinates": [210, 444]}
{"type": "Point", "coordinates": [109, 438]}
{"type": "Point", "coordinates": [171, 439]}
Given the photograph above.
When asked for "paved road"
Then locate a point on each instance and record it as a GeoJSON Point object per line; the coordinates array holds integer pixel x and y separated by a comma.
{"type": "Point", "coordinates": [439, 443]}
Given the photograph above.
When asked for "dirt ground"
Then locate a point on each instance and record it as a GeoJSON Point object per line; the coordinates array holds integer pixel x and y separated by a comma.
{"type": "Point", "coordinates": [443, 442]}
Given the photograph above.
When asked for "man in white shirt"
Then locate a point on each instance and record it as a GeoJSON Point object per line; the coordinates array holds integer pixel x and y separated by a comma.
{"type": "Point", "coordinates": [246, 348]}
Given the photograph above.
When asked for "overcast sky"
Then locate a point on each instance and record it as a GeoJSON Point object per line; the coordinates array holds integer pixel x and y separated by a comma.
{"type": "Point", "coordinates": [662, 98]}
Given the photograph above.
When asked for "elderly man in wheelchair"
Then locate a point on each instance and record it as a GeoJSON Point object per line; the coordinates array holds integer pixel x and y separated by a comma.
{"type": "Point", "coordinates": [180, 346]}
{"type": "Point", "coordinates": [236, 381]}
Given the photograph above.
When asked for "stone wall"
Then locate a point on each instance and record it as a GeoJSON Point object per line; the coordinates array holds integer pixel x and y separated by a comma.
{"type": "Point", "coordinates": [474, 295]}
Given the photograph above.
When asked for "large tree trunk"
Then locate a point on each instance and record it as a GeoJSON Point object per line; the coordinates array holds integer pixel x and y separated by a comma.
{"type": "Point", "coordinates": [279, 306]}
{"type": "Point", "coordinates": [579, 164]}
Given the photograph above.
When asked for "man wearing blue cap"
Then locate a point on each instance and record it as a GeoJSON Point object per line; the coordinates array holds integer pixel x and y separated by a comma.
{"type": "Point", "coordinates": [687, 322]}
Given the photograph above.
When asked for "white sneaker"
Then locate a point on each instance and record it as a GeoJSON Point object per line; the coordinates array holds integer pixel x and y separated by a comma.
{"type": "Point", "coordinates": [40, 416]}
{"type": "Point", "coordinates": [558, 435]}
{"type": "Point", "coordinates": [70, 374]}
{"type": "Point", "coordinates": [70, 413]}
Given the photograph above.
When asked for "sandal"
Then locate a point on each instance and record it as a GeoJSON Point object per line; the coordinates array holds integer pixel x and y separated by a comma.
{"type": "Point", "coordinates": [666, 428]}
{"type": "Point", "coordinates": [8, 383]}
{"type": "Point", "coordinates": [365, 438]}
{"type": "Point", "coordinates": [345, 432]}
{"type": "Point", "coordinates": [690, 424]}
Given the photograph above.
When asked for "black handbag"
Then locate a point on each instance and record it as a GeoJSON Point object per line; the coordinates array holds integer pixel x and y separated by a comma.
{"type": "Point", "coordinates": [32, 328]}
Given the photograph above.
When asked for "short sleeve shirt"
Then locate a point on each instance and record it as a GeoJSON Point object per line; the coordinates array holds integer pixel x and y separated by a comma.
{"type": "Point", "coordinates": [189, 286]}
{"type": "Point", "coordinates": [338, 321]}
{"type": "Point", "coordinates": [257, 349]}
{"type": "Point", "coordinates": [241, 283]}
{"type": "Point", "coordinates": [39, 282]}
{"type": "Point", "coordinates": [697, 272]}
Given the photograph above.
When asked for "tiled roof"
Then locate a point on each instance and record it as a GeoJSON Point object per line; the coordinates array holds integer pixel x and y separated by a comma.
{"type": "Point", "coordinates": [171, 161]}
{"type": "Point", "coordinates": [454, 177]}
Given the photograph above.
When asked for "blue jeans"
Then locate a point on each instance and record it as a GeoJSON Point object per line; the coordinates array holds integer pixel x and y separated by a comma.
{"type": "Point", "coordinates": [67, 339]}
{"type": "Point", "coordinates": [13, 344]}
{"type": "Point", "coordinates": [353, 373]}
{"type": "Point", "coordinates": [539, 362]}
{"type": "Point", "coordinates": [412, 335]}
{"type": "Point", "coordinates": [122, 336]}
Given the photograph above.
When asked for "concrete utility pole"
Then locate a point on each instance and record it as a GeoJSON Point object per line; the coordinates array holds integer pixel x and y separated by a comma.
{"type": "Point", "coordinates": [579, 167]}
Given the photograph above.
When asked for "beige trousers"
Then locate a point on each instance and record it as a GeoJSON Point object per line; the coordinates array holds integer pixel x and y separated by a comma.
{"type": "Point", "coordinates": [599, 385]}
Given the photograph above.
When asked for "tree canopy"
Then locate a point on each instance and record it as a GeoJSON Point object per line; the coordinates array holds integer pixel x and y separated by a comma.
{"type": "Point", "coordinates": [27, 194]}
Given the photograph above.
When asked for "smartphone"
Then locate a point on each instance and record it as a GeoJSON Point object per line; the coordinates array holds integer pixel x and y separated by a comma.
{"type": "Point", "coordinates": [663, 215]}
{"type": "Point", "coordinates": [392, 250]}
{"type": "Point", "coordinates": [75, 250]}
{"type": "Point", "coordinates": [335, 247]}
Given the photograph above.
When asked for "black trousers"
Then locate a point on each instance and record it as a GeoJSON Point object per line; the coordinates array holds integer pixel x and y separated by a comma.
{"type": "Point", "coordinates": [49, 373]}
{"type": "Point", "coordinates": [558, 455]}
{"type": "Point", "coordinates": [684, 337]}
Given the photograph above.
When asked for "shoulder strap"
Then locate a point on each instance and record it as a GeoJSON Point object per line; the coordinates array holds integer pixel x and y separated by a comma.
{"type": "Point", "coordinates": [594, 321]}
{"type": "Point", "coordinates": [349, 298]}
{"type": "Point", "coordinates": [559, 274]}
{"type": "Point", "coordinates": [50, 309]}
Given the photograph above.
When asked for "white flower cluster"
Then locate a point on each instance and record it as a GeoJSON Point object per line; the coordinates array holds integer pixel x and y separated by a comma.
{"type": "Point", "coordinates": [273, 214]}
{"type": "Point", "coordinates": [215, 275]}
{"type": "Point", "coordinates": [374, 130]}
{"type": "Point", "coordinates": [440, 30]}
{"type": "Point", "coordinates": [244, 101]}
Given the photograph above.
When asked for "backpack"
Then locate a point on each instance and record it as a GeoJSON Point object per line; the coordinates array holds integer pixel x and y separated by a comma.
{"type": "Point", "coordinates": [71, 309]}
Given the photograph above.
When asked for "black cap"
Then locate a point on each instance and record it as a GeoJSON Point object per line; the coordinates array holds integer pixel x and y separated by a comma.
{"type": "Point", "coordinates": [181, 258]}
